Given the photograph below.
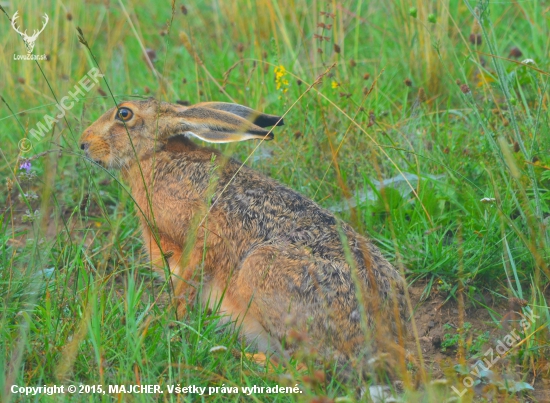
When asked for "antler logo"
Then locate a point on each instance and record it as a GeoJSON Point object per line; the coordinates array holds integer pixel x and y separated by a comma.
{"type": "Point", "coordinates": [29, 40]}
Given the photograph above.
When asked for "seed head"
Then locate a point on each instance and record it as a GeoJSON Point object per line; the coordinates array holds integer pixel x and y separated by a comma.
{"type": "Point", "coordinates": [421, 95]}
{"type": "Point", "coordinates": [475, 39]}
{"type": "Point", "coordinates": [151, 55]}
{"type": "Point", "coordinates": [515, 53]}
{"type": "Point", "coordinates": [372, 119]}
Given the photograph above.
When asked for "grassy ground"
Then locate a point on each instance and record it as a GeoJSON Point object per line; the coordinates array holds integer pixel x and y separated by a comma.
{"type": "Point", "coordinates": [371, 91]}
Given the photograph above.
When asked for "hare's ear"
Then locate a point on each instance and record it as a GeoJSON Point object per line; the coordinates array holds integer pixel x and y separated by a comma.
{"type": "Point", "coordinates": [218, 126]}
{"type": "Point", "coordinates": [258, 118]}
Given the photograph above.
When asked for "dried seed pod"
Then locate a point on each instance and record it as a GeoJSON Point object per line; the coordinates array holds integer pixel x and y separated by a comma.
{"type": "Point", "coordinates": [475, 39]}
{"type": "Point", "coordinates": [515, 52]}
{"type": "Point", "coordinates": [372, 119]}
{"type": "Point", "coordinates": [421, 95]}
{"type": "Point", "coordinates": [151, 54]}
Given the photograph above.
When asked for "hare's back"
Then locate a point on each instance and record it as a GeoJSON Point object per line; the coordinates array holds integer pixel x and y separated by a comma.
{"type": "Point", "coordinates": [268, 210]}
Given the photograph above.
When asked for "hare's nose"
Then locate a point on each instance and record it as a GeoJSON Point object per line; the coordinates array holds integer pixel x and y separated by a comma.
{"type": "Point", "coordinates": [84, 146]}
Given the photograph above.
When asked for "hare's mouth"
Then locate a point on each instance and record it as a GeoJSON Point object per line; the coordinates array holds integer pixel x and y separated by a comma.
{"type": "Point", "coordinates": [91, 158]}
{"type": "Point", "coordinates": [104, 160]}
{"type": "Point", "coordinates": [97, 161]}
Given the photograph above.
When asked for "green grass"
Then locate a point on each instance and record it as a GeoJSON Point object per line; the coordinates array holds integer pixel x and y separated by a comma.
{"type": "Point", "coordinates": [79, 302]}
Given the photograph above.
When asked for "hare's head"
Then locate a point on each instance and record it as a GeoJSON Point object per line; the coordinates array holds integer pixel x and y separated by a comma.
{"type": "Point", "coordinates": [132, 129]}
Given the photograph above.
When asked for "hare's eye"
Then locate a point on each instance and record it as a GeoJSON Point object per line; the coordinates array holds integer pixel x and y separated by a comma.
{"type": "Point", "coordinates": [124, 114]}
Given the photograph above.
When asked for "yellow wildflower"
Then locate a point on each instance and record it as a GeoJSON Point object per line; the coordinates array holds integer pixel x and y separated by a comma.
{"type": "Point", "coordinates": [280, 80]}
{"type": "Point", "coordinates": [335, 84]}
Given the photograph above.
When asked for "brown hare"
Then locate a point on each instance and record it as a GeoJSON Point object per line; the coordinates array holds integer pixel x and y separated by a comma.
{"type": "Point", "coordinates": [289, 272]}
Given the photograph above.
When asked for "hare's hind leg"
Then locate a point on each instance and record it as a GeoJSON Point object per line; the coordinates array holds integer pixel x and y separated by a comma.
{"type": "Point", "coordinates": [236, 304]}
{"type": "Point", "coordinates": [303, 302]}
{"type": "Point", "coordinates": [243, 299]}
{"type": "Point", "coordinates": [312, 308]}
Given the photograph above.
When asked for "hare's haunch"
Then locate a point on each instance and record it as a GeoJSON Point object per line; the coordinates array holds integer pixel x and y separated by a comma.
{"type": "Point", "coordinates": [289, 272]}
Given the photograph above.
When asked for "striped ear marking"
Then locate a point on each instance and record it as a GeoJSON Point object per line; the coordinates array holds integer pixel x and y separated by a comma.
{"type": "Point", "coordinates": [220, 126]}
{"type": "Point", "coordinates": [258, 118]}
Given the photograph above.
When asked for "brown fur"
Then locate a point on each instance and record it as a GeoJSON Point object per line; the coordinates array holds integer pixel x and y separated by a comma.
{"type": "Point", "coordinates": [290, 273]}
